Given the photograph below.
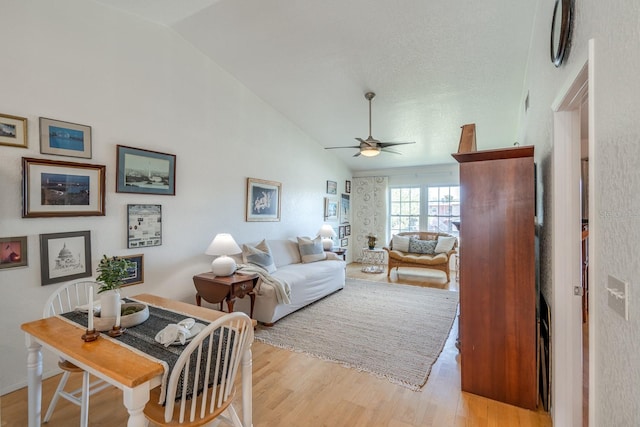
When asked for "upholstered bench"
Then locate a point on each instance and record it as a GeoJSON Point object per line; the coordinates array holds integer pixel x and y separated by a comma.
{"type": "Point", "coordinates": [422, 249]}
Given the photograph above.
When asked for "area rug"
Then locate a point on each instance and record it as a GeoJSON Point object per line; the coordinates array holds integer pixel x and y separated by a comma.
{"type": "Point", "coordinates": [389, 330]}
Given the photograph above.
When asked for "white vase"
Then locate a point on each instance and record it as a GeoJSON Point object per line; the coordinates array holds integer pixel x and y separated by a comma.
{"type": "Point", "coordinates": [109, 303]}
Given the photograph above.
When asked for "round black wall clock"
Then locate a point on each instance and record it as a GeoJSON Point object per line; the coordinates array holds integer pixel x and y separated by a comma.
{"type": "Point", "coordinates": [561, 31]}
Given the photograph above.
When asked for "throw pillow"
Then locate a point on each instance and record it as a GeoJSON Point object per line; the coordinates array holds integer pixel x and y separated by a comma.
{"type": "Point", "coordinates": [418, 246]}
{"type": "Point", "coordinates": [400, 243]}
{"type": "Point", "coordinates": [311, 250]}
{"type": "Point", "coordinates": [445, 244]}
{"type": "Point", "coordinates": [259, 255]}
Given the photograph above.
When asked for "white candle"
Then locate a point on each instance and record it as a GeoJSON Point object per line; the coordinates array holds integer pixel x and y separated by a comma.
{"type": "Point", "coordinates": [90, 312]}
{"type": "Point", "coordinates": [118, 314]}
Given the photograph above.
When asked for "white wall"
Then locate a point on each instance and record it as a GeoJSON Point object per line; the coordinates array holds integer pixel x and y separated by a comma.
{"type": "Point", "coordinates": [614, 28]}
{"type": "Point", "coordinates": [140, 85]}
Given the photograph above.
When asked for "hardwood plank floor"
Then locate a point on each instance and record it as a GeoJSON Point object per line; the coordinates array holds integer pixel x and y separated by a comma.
{"type": "Point", "coordinates": [295, 390]}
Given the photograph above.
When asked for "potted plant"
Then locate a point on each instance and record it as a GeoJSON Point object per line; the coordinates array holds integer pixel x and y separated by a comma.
{"type": "Point", "coordinates": [371, 240]}
{"type": "Point", "coordinates": [112, 272]}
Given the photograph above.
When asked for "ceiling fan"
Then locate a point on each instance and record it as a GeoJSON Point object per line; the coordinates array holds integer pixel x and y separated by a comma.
{"type": "Point", "coordinates": [371, 147]}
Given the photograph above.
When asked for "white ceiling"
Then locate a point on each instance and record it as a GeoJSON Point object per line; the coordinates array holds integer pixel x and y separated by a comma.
{"type": "Point", "coordinates": [434, 66]}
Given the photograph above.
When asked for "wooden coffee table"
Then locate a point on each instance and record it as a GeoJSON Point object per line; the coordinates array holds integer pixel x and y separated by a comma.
{"type": "Point", "coordinates": [216, 289]}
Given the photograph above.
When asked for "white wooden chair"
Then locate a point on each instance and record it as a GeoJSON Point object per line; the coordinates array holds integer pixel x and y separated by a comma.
{"type": "Point", "coordinates": [63, 300]}
{"type": "Point", "coordinates": [216, 364]}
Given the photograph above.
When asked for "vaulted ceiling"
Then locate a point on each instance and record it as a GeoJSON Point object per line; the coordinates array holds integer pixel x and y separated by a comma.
{"type": "Point", "coordinates": [434, 66]}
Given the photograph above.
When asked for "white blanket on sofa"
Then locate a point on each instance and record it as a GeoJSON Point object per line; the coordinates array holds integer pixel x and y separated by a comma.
{"type": "Point", "coordinates": [282, 288]}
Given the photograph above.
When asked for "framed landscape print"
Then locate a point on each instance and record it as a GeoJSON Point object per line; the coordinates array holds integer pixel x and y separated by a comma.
{"type": "Point", "coordinates": [135, 273]}
{"type": "Point", "coordinates": [64, 138]}
{"type": "Point", "coordinates": [65, 256]}
{"type": "Point", "coordinates": [51, 188]}
{"type": "Point", "coordinates": [144, 226]}
{"type": "Point", "coordinates": [345, 208]}
{"type": "Point", "coordinates": [332, 187]}
{"type": "Point", "coordinates": [13, 131]}
{"type": "Point", "coordinates": [145, 172]}
{"type": "Point", "coordinates": [330, 209]}
{"type": "Point", "coordinates": [13, 252]}
{"type": "Point", "coordinates": [263, 200]}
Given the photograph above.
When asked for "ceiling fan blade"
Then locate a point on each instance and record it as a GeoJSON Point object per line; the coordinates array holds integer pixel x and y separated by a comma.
{"type": "Point", "coordinates": [369, 142]}
{"type": "Point", "coordinates": [357, 154]}
{"type": "Point", "coordinates": [350, 146]}
{"type": "Point", "coordinates": [391, 144]}
{"type": "Point", "coordinates": [390, 150]}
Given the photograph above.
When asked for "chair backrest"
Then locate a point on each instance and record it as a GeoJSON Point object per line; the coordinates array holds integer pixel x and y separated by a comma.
{"type": "Point", "coordinates": [67, 297]}
{"type": "Point", "coordinates": [212, 359]}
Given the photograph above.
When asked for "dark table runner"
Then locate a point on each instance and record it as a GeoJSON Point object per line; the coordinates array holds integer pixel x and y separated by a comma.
{"type": "Point", "coordinates": [142, 337]}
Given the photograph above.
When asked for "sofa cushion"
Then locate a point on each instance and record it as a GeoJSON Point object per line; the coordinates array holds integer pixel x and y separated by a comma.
{"type": "Point", "coordinates": [422, 259]}
{"type": "Point", "coordinates": [259, 255]}
{"type": "Point", "coordinates": [418, 246]}
{"type": "Point", "coordinates": [311, 250]}
{"type": "Point", "coordinates": [445, 244]}
{"type": "Point", "coordinates": [284, 252]}
{"type": "Point", "coordinates": [400, 243]}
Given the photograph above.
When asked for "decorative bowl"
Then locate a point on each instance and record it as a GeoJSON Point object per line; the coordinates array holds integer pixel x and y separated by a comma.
{"type": "Point", "coordinates": [126, 321]}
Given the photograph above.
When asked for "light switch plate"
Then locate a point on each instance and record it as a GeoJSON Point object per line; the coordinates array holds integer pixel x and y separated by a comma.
{"type": "Point", "coordinates": [617, 298]}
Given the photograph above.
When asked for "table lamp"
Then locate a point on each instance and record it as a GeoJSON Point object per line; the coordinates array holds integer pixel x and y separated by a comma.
{"type": "Point", "coordinates": [327, 233]}
{"type": "Point", "coordinates": [223, 245]}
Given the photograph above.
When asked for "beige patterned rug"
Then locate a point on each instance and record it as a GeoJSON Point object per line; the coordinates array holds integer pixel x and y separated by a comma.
{"type": "Point", "coordinates": [390, 330]}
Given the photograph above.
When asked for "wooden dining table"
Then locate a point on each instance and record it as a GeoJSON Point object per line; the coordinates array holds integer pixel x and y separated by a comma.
{"type": "Point", "coordinates": [135, 374]}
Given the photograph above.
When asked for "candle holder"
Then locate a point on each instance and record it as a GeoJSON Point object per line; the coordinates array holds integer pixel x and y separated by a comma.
{"type": "Point", "coordinates": [116, 331]}
{"type": "Point", "coordinates": [90, 335]}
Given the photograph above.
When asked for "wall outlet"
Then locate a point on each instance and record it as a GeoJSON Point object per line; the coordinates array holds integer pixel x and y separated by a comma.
{"type": "Point", "coordinates": [617, 298]}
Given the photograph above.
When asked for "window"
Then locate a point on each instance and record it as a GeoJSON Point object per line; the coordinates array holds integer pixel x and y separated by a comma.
{"type": "Point", "coordinates": [440, 210]}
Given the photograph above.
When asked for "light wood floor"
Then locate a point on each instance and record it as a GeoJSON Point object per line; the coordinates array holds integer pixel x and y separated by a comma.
{"type": "Point", "coordinates": [295, 390]}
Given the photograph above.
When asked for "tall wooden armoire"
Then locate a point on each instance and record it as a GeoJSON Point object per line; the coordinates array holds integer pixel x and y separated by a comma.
{"type": "Point", "coordinates": [498, 296]}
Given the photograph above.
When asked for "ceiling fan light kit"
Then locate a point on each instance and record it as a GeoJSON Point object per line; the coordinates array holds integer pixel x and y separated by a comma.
{"type": "Point", "coordinates": [371, 147]}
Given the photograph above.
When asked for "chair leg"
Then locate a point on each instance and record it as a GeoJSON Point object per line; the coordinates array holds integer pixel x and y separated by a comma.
{"type": "Point", "coordinates": [56, 396]}
{"type": "Point", "coordinates": [84, 400]}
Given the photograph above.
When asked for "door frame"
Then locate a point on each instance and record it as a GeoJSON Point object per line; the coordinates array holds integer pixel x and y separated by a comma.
{"type": "Point", "coordinates": [567, 376]}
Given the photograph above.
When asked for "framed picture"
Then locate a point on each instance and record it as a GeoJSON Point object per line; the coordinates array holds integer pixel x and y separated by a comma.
{"type": "Point", "coordinates": [263, 200]}
{"type": "Point", "coordinates": [345, 208]}
{"type": "Point", "coordinates": [332, 187]}
{"type": "Point", "coordinates": [52, 188]}
{"type": "Point", "coordinates": [144, 226]}
{"type": "Point", "coordinates": [13, 252]}
{"type": "Point", "coordinates": [347, 230]}
{"type": "Point", "coordinates": [13, 131]}
{"type": "Point", "coordinates": [65, 256]}
{"type": "Point", "coordinates": [145, 172]}
{"type": "Point", "coordinates": [330, 209]}
{"type": "Point", "coordinates": [136, 273]}
{"type": "Point", "coordinates": [347, 186]}
{"type": "Point", "coordinates": [341, 232]}
{"type": "Point", "coordinates": [344, 242]}
{"type": "Point", "coordinates": [64, 138]}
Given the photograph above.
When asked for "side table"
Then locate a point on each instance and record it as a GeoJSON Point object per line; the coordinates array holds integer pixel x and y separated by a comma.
{"type": "Point", "coordinates": [340, 252]}
{"type": "Point", "coordinates": [216, 289]}
{"type": "Point", "coordinates": [373, 260]}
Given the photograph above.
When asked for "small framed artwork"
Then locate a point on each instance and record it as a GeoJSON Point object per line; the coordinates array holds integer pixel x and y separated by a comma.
{"type": "Point", "coordinates": [13, 252]}
{"type": "Point", "coordinates": [135, 273]}
{"type": "Point", "coordinates": [64, 138]}
{"type": "Point", "coordinates": [13, 131]}
{"type": "Point", "coordinates": [341, 232]}
{"type": "Point", "coordinates": [345, 208]}
{"type": "Point", "coordinates": [332, 187]}
{"type": "Point", "coordinates": [330, 209]}
{"type": "Point", "coordinates": [263, 200]}
{"type": "Point", "coordinates": [347, 230]}
{"type": "Point", "coordinates": [51, 188]}
{"type": "Point", "coordinates": [65, 256]}
{"type": "Point", "coordinates": [344, 242]}
{"type": "Point", "coordinates": [145, 172]}
{"type": "Point", "coordinates": [144, 226]}
{"type": "Point", "coordinates": [347, 186]}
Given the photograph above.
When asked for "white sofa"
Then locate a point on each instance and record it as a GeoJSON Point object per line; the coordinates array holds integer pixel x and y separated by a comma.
{"type": "Point", "coordinates": [309, 282]}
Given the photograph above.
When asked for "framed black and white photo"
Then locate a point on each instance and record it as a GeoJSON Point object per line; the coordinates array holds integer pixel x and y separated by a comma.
{"type": "Point", "coordinates": [51, 188]}
{"type": "Point", "coordinates": [135, 273]}
{"type": "Point", "coordinates": [65, 256]}
{"type": "Point", "coordinates": [347, 186]}
{"type": "Point", "coordinates": [65, 139]}
{"type": "Point", "coordinates": [263, 200]}
{"type": "Point", "coordinates": [331, 209]}
{"type": "Point", "coordinates": [347, 230]}
{"type": "Point", "coordinates": [13, 131]}
{"type": "Point", "coordinates": [341, 232]}
{"type": "Point", "coordinates": [13, 252]}
{"type": "Point", "coordinates": [145, 172]}
{"type": "Point", "coordinates": [344, 242]}
{"type": "Point", "coordinates": [345, 208]}
{"type": "Point", "coordinates": [332, 187]}
{"type": "Point", "coordinates": [144, 226]}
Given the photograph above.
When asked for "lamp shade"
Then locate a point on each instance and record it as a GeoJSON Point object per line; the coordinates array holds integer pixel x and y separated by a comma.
{"type": "Point", "coordinates": [222, 246]}
{"type": "Point", "coordinates": [327, 233]}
